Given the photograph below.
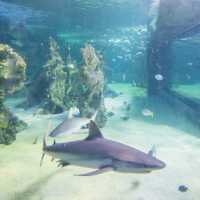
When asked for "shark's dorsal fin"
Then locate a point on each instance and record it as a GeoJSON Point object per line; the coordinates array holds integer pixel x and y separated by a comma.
{"type": "Point", "coordinates": [152, 152]}
{"type": "Point", "coordinates": [94, 131]}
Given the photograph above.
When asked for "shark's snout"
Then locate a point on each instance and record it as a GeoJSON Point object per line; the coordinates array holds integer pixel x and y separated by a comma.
{"type": "Point", "coordinates": [161, 165]}
{"type": "Point", "coordinates": [158, 165]}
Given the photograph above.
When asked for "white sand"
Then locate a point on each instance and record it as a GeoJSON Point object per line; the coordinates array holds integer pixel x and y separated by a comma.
{"type": "Point", "coordinates": [23, 179]}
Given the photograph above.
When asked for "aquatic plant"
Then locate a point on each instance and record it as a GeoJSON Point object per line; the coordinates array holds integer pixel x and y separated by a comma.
{"type": "Point", "coordinates": [12, 75]}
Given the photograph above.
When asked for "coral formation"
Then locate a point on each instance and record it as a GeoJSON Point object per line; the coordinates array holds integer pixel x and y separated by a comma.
{"type": "Point", "coordinates": [12, 75]}
{"type": "Point", "coordinates": [12, 69]}
{"type": "Point", "coordinates": [91, 85]}
{"type": "Point", "coordinates": [50, 88]}
{"type": "Point", "coordinates": [64, 85]}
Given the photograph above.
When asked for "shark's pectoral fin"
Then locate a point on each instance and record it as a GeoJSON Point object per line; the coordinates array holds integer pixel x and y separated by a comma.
{"type": "Point", "coordinates": [98, 171]}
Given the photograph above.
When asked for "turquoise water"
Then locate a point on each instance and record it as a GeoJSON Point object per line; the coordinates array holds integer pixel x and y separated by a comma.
{"type": "Point", "coordinates": [134, 65]}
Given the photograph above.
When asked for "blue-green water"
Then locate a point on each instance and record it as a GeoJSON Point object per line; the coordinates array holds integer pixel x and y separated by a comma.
{"type": "Point", "coordinates": [135, 63]}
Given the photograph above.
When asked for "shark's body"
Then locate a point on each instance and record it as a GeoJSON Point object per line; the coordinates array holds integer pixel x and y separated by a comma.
{"type": "Point", "coordinates": [103, 155]}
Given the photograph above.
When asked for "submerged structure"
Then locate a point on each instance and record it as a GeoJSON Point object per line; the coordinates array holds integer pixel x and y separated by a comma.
{"type": "Point", "coordinates": [175, 20]}
{"type": "Point", "coordinates": [12, 75]}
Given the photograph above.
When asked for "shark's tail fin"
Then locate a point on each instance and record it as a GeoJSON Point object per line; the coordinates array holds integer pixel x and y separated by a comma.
{"type": "Point", "coordinates": [45, 143]}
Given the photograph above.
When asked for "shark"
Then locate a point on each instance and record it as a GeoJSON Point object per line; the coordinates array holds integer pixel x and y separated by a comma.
{"type": "Point", "coordinates": [72, 125]}
{"type": "Point", "coordinates": [102, 155]}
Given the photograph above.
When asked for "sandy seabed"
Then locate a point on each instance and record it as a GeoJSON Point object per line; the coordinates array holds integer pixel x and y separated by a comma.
{"type": "Point", "coordinates": [23, 179]}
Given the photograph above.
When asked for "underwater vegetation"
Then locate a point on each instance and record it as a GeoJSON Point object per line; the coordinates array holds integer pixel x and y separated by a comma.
{"type": "Point", "coordinates": [12, 75]}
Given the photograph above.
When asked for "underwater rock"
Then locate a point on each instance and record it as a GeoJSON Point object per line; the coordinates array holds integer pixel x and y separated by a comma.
{"type": "Point", "coordinates": [12, 75]}
{"type": "Point", "coordinates": [91, 85]}
{"type": "Point", "coordinates": [49, 90]}
{"type": "Point", "coordinates": [183, 188]}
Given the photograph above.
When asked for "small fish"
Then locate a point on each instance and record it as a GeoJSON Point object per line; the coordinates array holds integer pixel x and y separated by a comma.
{"type": "Point", "coordinates": [147, 113]}
{"type": "Point", "coordinates": [70, 66]}
{"type": "Point", "coordinates": [159, 77]}
{"type": "Point", "coordinates": [138, 53]}
{"type": "Point", "coordinates": [120, 57]}
{"type": "Point", "coordinates": [190, 64]}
